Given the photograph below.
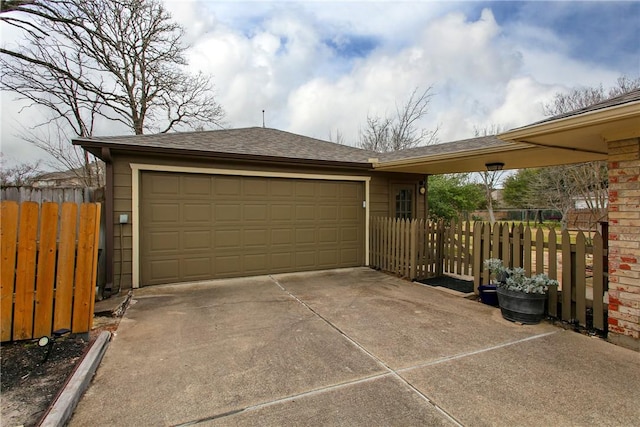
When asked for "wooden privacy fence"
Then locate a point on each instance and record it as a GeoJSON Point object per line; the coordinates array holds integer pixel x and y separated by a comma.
{"type": "Point", "coordinates": [419, 249]}
{"type": "Point", "coordinates": [48, 268]}
{"type": "Point", "coordinates": [41, 195]}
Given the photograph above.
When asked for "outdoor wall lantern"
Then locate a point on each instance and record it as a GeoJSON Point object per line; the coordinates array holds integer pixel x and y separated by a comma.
{"type": "Point", "coordinates": [497, 166]}
{"type": "Point", "coordinates": [422, 187]}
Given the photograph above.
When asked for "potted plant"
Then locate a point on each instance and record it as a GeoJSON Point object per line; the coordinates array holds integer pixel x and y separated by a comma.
{"type": "Point", "coordinates": [497, 272]}
{"type": "Point", "coordinates": [522, 299]}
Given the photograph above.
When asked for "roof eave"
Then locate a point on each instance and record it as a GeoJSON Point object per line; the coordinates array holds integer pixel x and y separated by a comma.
{"type": "Point", "coordinates": [393, 164]}
{"type": "Point", "coordinates": [588, 119]}
{"type": "Point", "coordinates": [95, 147]}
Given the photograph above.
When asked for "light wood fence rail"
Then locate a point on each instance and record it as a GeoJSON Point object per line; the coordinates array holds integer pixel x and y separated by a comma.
{"type": "Point", "coordinates": [418, 249]}
{"type": "Point", "coordinates": [48, 268]}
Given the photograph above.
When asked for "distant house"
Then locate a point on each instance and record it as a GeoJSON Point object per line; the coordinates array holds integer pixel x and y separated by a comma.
{"type": "Point", "coordinates": [72, 178]}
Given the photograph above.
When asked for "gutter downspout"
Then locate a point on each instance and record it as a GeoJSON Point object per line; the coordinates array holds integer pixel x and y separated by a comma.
{"type": "Point", "coordinates": [106, 157]}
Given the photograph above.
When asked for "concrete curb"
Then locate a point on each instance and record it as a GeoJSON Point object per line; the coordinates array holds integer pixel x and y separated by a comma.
{"type": "Point", "coordinates": [60, 412]}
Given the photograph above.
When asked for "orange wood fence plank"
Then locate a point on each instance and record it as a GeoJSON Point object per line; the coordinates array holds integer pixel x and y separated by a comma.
{"type": "Point", "coordinates": [94, 269]}
{"type": "Point", "coordinates": [25, 276]}
{"type": "Point", "coordinates": [66, 264]}
{"type": "Point", "coordinates": [84, 268]}
{"type": "Point", "coordinates": [45, 280]}
{"type": "Point", "coordinates": [8, 240]}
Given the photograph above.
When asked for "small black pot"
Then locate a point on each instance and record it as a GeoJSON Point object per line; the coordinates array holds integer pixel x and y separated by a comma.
{"type": "Point", "coordinates": [488, 294]}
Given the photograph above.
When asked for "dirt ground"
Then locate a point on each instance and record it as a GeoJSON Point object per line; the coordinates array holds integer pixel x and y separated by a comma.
{"type": "Point", "coordinates": [28, 384]}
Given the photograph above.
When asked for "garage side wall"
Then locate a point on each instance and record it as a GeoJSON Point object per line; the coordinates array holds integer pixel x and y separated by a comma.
{"type": "Point", "coordinates": [381, 186]}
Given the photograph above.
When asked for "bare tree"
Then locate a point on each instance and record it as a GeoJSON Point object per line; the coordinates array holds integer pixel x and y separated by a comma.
{"type": "Point", "coordinates": [578, 98]}
{"type": "Point", "coordinates": [490, 179]}
{"type": "Point", "coordinates": [338, 137]}
{"type": "Point", "coordinates": [587, 181]}
{"type": "Point", "coordinates": [554, 189]}
{"type": "Point", "coordinates": [384, 134]}
{"type": "Point", "coordinates": [20, 174]}
{"type": "Point", "coordinates": [120, 61]}
{"type": "Point", "coordinates": [54, 140]}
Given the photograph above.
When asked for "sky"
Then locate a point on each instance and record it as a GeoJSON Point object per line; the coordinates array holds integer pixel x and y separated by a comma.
{"type": "Point", "coordinates": [319, 68]}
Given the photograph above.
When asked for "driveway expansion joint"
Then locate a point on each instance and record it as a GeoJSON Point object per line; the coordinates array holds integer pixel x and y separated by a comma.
{"type": "Point", "coordinates": [390, 370]}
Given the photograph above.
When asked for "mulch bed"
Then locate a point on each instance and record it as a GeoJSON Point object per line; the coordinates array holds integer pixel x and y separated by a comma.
{"type": "Point", "coordinates": [464, 286]}
{"type": "Point", "coordinates": [28, 383]}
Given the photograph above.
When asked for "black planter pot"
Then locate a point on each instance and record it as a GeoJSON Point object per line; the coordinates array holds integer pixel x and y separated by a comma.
{"type": "Point", "coordinates": [521, 307]}
{"type": "Point", "coordinates": [488, 294]}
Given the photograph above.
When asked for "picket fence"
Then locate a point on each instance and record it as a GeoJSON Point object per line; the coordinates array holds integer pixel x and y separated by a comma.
{"type": "Point", "coordinates": [418, 250]}
{"type": "Point", "coordinates": [48, 268]}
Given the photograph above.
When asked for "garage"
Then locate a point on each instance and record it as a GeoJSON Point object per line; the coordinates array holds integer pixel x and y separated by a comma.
{"type": "Point", "coordinates": [199, 226]}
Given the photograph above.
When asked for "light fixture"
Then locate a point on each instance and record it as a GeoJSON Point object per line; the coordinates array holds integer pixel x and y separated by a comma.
{"type": "Point", "coordinates": [422, 187]}
{"type": "Point", "coordinates": [496, 166]}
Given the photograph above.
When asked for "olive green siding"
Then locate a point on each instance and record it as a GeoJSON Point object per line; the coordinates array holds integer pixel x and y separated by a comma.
{"type": "Point", "coordinates": [381, 186]}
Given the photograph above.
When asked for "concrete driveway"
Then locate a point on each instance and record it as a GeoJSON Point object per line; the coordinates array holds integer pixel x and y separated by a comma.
{"type": "Point", "coordinates": [348, 347]}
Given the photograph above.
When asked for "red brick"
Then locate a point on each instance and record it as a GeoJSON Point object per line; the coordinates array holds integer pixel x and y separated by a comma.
{"type": "Point", "coordinates": [628, 259]}
{"type": "Point", "coordinates": [616, 329]}
{"type": "Point", "coordinates": [612, 321]}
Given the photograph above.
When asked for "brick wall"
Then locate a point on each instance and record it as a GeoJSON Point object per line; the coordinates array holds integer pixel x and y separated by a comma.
{"type": "Point", "coordinates": [624, 243]}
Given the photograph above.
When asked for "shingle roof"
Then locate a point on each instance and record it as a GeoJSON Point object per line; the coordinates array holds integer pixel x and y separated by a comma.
{"type": "Point", "coordinates": [471, 144]}
{"type": "Point", "coordinates": [256, 141]}
{"type": "Point", "coordinates": [276, 144]}
{"type": "Point", "coordinates": [633, 96]}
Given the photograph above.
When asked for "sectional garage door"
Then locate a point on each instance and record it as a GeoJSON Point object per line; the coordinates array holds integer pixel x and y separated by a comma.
{"type": "Point", "coordinates": [197, 227]}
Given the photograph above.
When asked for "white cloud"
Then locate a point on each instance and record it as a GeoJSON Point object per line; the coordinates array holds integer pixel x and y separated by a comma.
{"type": "Point", "coordinates": [278, 57]}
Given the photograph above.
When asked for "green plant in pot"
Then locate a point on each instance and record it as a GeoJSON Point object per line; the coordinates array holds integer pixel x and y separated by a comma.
{"type": "Point", "coordinates": [522, 299]}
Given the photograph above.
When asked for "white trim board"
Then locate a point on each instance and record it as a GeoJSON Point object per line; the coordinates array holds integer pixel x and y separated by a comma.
{"type": "Point", "coordinates": [137, 168]}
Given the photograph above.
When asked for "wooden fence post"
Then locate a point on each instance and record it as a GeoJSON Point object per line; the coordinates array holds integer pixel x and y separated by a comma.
{"type": "Point", "coordinates": [598, 282]}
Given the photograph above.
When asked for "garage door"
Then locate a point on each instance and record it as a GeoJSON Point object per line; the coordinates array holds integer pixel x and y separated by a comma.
{"type": "Point", "coordinates": [197, 227]}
